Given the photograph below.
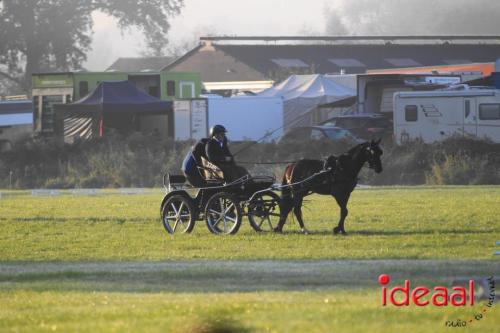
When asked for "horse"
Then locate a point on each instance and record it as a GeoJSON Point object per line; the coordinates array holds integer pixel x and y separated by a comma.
{"type": "Point", "coordinates": [335, 176]}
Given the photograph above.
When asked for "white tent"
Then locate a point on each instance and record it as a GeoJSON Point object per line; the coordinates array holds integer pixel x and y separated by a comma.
{"type": "Point", "coordinates": [303, 93]}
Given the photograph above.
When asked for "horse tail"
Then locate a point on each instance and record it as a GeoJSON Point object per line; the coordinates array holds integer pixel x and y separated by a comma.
{"type": "Point", "coordinates": [286, 191]}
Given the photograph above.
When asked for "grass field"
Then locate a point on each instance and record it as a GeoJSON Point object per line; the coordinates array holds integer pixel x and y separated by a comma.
{"type": "Point", "coordinates": [455, 222]}
{"type": "Point", "coordinates": [325, 311]}
{"type": "Point", "coordinates": [104, 263]}
{"type": "Point", "coordinates": [260, 296]}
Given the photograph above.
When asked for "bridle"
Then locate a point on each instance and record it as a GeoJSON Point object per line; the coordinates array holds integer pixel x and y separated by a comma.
{"type": "Point", "coordinates": [372, 157]}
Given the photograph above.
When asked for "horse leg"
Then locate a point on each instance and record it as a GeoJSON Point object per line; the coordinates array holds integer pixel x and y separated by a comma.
{"type": "Point", "coordinates": [286, 206]}
{"type": "Point", "coordinates": [342, 202]}
{"type": "Point", "coordinates": [298, 213]}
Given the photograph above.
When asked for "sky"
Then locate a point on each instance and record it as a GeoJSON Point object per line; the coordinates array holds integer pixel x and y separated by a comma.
{"type": "Point", "coordinates": [204, 17]}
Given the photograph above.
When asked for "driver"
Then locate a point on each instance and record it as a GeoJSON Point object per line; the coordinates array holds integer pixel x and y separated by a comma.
{"type": "Point", "coordinates": [218, 153]}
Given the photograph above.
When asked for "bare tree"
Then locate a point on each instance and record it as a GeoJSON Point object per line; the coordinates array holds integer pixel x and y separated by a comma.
{"type": "Point", "coordinates": [56, 34]}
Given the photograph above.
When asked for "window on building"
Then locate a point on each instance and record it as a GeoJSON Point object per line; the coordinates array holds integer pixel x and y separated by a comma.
{"type": "Point", "coordinates": [347, 62]}
{"type": "Point", "coordinates": [153, 91]}
{"type": "Point", "coordinates": [170, 88]}
{"type": "Point", "coordinates": [83, 88]}
{"type": "Point", "coordinates": [403, 62]}
{"type": "Point", "coordinates": [489, 111]}
{"type": "Point", "coordinates": [411, 113]}
{"type": "Point", "coordinates": [290, 63]}
{"type": "Point", "coordinates": [47, 119]}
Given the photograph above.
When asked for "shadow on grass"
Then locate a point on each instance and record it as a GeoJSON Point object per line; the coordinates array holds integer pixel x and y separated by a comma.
{"type": "Point", "coordinates": [217, 321]}
{"type": "Point", "coordinates": [395, 232]}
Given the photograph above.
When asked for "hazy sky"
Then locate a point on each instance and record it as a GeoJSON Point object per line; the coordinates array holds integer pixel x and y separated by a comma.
{"type": "Point", "coordinates": [221, 17]}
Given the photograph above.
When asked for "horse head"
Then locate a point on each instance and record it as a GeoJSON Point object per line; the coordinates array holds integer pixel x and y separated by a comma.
{"type": "Point", "coordinates": [372, 154]}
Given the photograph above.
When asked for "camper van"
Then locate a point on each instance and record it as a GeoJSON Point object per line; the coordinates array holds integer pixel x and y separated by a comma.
{"type": "Point", "coordinates": [436, 115]}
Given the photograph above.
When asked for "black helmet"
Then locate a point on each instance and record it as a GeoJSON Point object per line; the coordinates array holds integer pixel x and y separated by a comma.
{"type": "Point", "coordinates": [217, 129]}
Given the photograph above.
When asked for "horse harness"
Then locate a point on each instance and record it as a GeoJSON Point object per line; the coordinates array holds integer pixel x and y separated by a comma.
{"type": "Point", "coordinates": [331, 168]}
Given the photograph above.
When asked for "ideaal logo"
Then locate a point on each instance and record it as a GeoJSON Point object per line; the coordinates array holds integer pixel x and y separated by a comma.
{"type": "Point", "coordinates": [460, 296]}
{"type": "Point", "coordinates": [439, 296]}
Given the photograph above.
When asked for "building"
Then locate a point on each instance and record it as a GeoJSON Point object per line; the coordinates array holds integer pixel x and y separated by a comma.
{"type": "Point", "coordinates": [56, 88]}
{"type": "Point", "coordinates": [255, 63]}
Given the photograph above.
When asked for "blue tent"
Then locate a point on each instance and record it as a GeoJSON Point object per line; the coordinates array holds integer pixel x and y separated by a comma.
{"type": "Point", "coordinates": [110, 104]}
{"type": "Point", "coordinates": [121, 96]}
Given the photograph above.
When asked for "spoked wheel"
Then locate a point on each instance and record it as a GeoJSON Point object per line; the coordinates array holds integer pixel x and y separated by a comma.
{"type": "Point", "coordinates": [178, 215]}
{"type": "Point", "coordinates": [223, 214]}
{"type": "Point", "coordinates": [264, 211]}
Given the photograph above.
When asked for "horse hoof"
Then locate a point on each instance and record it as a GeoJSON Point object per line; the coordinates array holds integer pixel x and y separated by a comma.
{"type": "Point", "coordinates": [336, 230]}
{"type": "Point", "coordinates": [304, 231]}
{"type": "Point", "coordinates": [278, 230]}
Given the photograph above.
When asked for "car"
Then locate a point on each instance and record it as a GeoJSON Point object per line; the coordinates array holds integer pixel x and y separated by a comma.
{"type": "Point", "coordinates": [365, 126]}
{"type": "Point", "coordinates": [333, 133]}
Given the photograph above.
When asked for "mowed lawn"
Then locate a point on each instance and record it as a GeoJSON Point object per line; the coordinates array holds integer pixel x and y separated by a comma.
{"type": "Point", "coordinates": [105, 264]}
{"type": "Point", "coordinates": [326, 311]}
{"type": "Point", "coordinates": [421, 222]}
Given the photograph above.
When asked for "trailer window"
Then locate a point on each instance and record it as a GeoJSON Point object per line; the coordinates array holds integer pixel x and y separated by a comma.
{"type": "Point", "coordinates": [170, 88]}
{"type": "Point", "coordinates": [411, 113]}
{"type": "Point", "coordinates": [489, 111]}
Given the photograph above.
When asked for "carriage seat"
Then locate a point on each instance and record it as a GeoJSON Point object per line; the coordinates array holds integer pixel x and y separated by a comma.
{"type": "Point", "coordinates": [174, 182]}
{"type": "Point", "coordinates": [210, 172]}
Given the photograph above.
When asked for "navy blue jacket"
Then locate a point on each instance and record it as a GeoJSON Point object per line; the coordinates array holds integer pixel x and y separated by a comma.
{"type": "Point", "coordinates": [218, 151]}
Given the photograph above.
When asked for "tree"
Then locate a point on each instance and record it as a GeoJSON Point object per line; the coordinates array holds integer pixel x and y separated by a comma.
{"type": "Point", "coordinates": [416, 17]}
{"type": "Point", "coordinates": [40, 35]}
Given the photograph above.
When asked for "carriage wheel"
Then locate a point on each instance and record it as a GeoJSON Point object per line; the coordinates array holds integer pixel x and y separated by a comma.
{"type": "Point", "coordinates": [178, 215]}
{"type": "Point", "coordinates": [223, 214]}
{"type": "Point", "coordinates": [264, 211]}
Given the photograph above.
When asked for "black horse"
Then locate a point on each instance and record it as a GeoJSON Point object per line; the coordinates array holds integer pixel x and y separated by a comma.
{"type": "Point", "coordinates": [339, 179]}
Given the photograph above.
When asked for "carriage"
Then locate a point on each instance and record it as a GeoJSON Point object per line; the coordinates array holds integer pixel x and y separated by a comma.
{"type": "Point", "coordinates": [222, 205]}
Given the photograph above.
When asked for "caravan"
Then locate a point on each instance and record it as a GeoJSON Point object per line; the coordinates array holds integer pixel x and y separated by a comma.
{"type": "Point", "coordinates": [436, 115]}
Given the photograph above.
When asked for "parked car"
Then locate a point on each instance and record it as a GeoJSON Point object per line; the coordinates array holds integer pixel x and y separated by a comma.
{"type": "Point", "coordinates": [319, 133]}
{"type": "Point", "coordinates": [366, 126]}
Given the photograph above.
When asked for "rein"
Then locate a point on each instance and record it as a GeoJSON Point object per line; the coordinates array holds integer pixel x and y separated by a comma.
{"type": "Point", "coordinates": [271, 163]}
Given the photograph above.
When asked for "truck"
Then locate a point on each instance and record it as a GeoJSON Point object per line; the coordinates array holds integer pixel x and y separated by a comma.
{"type": "Point", "coordinates": [436, 115]}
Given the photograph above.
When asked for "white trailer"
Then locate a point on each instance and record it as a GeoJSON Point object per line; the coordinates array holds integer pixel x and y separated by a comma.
{"type": "Point", "coordinates": [435, 115]}
{"type": "Point", "coordinates": [245, 118]}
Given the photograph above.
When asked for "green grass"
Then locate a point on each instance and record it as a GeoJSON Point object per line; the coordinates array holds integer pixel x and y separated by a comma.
{"type": "Point", "coordinates": [105, 264]}
{"type": "Point", "coordinates": [426, 222]}
{"type": "Point", "coordinates": [330, 311]}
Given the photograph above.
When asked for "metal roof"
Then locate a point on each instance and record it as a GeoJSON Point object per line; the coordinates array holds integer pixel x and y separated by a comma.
{"type": "Point", "coordinates": [142, 64]}
{"type": "Point", "coordinates": [254, 58]}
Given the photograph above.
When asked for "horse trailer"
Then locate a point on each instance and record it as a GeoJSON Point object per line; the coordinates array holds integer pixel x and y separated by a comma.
{"type": "Point", "coordinates": [435, 115]}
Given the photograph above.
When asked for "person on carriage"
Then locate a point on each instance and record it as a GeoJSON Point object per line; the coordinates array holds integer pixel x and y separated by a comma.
{"type": "Point", "coordinates": [218, 153]}
{"type": "Point", "coordinates": [192, 161]}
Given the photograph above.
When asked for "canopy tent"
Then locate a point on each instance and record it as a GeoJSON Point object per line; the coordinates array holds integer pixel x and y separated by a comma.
{"type": "Point", "coordinates": [301, 95]}
{"type": "Point", "coordinates": [111, 104]}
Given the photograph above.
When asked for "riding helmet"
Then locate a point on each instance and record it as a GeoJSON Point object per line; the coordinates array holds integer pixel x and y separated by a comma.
{"type": "Point", "coordinates": [217, 129]}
